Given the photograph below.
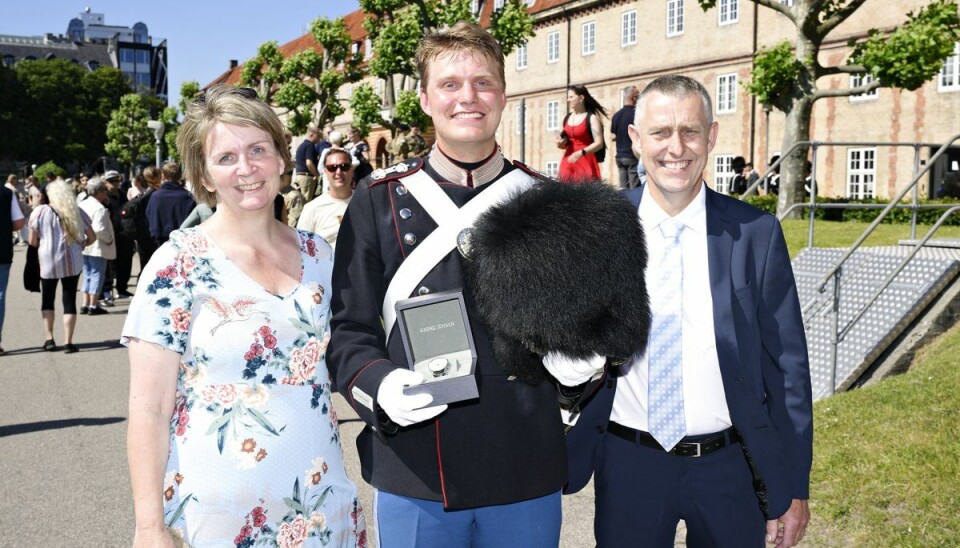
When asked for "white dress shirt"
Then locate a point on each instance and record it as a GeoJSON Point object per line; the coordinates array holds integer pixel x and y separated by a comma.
{"type": "Point", "coordinates": [705, 405]}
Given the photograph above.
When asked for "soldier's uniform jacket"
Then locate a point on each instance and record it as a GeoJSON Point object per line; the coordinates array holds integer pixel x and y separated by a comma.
{"type": "Point", "coordinates": [506, 446]}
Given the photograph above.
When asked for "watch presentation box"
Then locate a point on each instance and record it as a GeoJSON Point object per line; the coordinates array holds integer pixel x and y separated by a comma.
{"type": "Point", "coordinates": [439, 345]}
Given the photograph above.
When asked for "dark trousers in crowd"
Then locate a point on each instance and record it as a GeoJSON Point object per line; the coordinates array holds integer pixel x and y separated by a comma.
{"type": "Point", "coordinates": [629, 178]}
{"type": "Point", "coordinates": [123, 263]}
{"type": "Point", "coordinates": [145, 249]}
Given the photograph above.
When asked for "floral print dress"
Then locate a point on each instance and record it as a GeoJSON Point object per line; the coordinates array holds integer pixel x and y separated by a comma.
{"type": "Point", "coordinates": [255, 457]}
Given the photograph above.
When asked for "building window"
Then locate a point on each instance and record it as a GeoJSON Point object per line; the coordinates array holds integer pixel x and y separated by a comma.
{"type": "Point", "coordinates": [497, 4]}
{"type": "Point", "coordinates": [143, 79]}
{"type": "Point", "coordinates": [726, 93]}
{"type": "Point", "coordinates": [553, 115]}
{"type": "Point", "coordinates": [518, 120]}
{"type": "Point", "coordinates": [588, 35]}
{"type": "Point", "coordinates": [553, 47]}
{"type": "Point", "coordinates": [474, 7]}
{"type": "Point", "coordinates": [857, 80]}
{"type": "Point", "coordinates": [126, 56]}
{"type": "Point", "coordinates": [368, 49]}
{"type": "Point", "coordinates": [729, 11]}
{"type": "Point", "coordinates": [143, 57]}
{"type": "Point", "coordinates": [628, 28]}
{"type": "Point", "coordinates": [723, 172]}
{"type": "Point", "coordinates": [674, 17]}
{"type": "Point", "coordinates": [553, 169]}
{"type": "Point", "coordinates": [8, 60]}
{"type": "Point", "coordinates": [861, 172]}
{"type": "Point", "coordinates": [521, 57]}
{"type": "Point", "coordinates": [950, 73]}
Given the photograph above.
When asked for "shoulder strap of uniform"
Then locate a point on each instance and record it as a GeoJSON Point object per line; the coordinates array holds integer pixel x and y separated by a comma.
{"type": "Point", "coordinates": [396, 171]}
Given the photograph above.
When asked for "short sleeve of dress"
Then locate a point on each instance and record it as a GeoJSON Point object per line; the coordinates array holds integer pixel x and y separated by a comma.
{"type": "Point", "coordinates": [161, 310]}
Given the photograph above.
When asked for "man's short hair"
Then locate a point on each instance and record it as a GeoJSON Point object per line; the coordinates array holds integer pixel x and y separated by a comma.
{"type": "Point", "coordinates": [171, 172]}
{"type": "Point", "coordinates": [676, 85]}
{"type": "Point", "coordinates": [464, 37]}
{"type": "Point", "coordinates": [95, 185]}
{"type": "Point", "coordinates": [312, 130]}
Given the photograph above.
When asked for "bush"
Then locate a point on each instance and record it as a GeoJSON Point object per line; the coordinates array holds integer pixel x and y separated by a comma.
{"type": "Point", "coordinates": [897, 216]}
{"type": "Point", "coordinates": [49, 167]}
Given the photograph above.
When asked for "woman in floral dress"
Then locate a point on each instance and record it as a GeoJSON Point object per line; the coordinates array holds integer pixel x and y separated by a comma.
{"type": "Point", "coordinates": [233, 440]}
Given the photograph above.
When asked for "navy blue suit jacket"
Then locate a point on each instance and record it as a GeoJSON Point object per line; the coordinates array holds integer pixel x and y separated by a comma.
{"type": "Point", "coordinates": [761, 349]}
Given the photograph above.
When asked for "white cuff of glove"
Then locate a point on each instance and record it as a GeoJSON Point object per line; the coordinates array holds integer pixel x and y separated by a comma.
{"type": "Point", "coordinates": [405, 409]}
{"type": "Point", "coordinates": [570, 371]}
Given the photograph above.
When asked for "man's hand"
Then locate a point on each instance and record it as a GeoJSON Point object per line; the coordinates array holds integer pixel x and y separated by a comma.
{"type": "Point", "coordinates": [571, 371]}
{"type": "Point", "coordinates": [788, 529]}
{"type": "Point", "coordinates": [405, 409]}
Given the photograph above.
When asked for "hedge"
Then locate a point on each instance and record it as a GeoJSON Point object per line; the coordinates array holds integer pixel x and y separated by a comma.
{"type": "Point", "coordinates": [897, 216]}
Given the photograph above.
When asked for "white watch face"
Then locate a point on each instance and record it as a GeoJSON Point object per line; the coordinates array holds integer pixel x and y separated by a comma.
{"type": "Point", "coordinates": [438, 365]}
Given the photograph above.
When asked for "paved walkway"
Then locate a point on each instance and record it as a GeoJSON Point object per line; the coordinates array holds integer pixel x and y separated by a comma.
{"type": "Point", "coordinates": [63, 430]}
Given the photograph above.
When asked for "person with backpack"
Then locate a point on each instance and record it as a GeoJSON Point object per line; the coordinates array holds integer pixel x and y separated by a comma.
{"type": "Point", "coordinates": [133, 216]}
{"type": "Point", "coordinates": [582, 137]}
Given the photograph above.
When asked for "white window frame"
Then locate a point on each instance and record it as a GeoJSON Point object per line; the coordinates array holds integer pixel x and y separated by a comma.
{"type": "Point", "coordinates": [367, 48]}
{"type": "Point", "coordinates": [674, 18]}
{"type": "Point", "coordinates": [860, 79]}
{"type": "Point", "coordinates": [726, 93]}
{"type": "Point", "coordinates": [553, 47]}
{"type": "Point", "coordinates": [588, 38]}
{"type": "Point", "coordinates": [862, 172]}
{"type": "Point", "coordinates": [949, 79]}
{"type": "Point", "coordinates": [723, 173]}
{"type": "Point", "coordinates": [522, 57]}
{"type": "Point", "coordinates": [553, 115]}
{"type": "Point", "coordinates": [628, 28]}
{"type": "Point", "coordinates": [728, 12]}
{"type": "Point", "coordinates": [517, 121]}
{"type": "Point", "coordinates": [552, 169]}
{"type": "Point", "coordinates": [497, 4]}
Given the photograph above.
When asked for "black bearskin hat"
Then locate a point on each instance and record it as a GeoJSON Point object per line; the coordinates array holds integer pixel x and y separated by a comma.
{"type": "Point", "coordinates": [560, 267]}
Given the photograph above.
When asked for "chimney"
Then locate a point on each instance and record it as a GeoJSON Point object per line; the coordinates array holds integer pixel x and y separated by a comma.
{"type": "Point", "coordinates": [233, 64]}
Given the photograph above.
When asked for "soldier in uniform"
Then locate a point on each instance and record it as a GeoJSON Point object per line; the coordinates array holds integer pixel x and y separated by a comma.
{"type": "Point", "coordinates": [414, 145]}
{"type": "Point", "coordinates": [485, 472]}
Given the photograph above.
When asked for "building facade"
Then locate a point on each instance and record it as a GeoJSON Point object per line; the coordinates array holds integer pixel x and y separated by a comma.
{"type": "Point", "coordinates": [608, 45]}
{"type": "Point", "coordinates": [92, 43]}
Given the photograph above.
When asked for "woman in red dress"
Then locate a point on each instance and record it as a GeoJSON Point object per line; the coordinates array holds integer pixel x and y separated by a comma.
{"type": "Point", "coordinates": [582, 137]}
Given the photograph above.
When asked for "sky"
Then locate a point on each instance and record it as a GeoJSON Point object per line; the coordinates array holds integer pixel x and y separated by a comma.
{"type": "Point", "coordinates": [202, 35]}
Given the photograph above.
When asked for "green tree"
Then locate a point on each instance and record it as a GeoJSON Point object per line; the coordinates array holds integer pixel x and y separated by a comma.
{"type": "Point", "coordinates": [48, 167]}
{"type": "Point", "coordinates": [785, 77]}
{"type": "Point", "coordinates": [396, 28]}
{"type": "Point", "coordinates": [128, 136]}
{"type": "Point", "coordinates": [305, 87]}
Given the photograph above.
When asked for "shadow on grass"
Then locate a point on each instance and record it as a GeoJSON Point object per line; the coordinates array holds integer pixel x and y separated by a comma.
{"type": "Point", "coordinates": [29, 427]}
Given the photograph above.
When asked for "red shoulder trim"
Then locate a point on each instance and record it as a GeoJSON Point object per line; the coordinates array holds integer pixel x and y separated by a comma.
{"type": "Point", "coordinates": [538, 175]}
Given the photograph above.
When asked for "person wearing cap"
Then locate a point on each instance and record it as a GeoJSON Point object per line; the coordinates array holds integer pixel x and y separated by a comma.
{"type": "Point", "coordinates": [101, 250]}
{"type": "Point", "coordinates": [119, 269]}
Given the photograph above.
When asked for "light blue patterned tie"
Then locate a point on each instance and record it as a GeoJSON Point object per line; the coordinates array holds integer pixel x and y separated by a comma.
{"type": "Point", "coordinates": [664, 355]}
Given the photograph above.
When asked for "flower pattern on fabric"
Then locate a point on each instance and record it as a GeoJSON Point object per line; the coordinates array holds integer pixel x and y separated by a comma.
{"type": "Point", "coordinates": [253, 400]}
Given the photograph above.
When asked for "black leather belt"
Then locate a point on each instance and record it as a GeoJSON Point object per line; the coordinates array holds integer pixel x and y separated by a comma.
{"type": "Point", "coordinates": [699, 448]}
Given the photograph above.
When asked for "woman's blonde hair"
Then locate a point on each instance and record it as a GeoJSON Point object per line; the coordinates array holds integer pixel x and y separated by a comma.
{"type": "Point", "coordinates": [64, 202]}
{"type": "Point", "coordinates": [228, 105]}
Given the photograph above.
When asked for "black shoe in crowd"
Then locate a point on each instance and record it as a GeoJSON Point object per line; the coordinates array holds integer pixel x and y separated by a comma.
{"type": "Point", "coordinates": [96, 311]}
{"type": "Point", "coordinates": [70, 348]}
{"type": "Point", "coordinates": [124, 295]}
{"type": "Point", "coordinates": [49, 345]}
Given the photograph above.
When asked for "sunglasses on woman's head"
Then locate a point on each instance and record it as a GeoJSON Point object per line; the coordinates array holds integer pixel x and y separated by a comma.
{"type": "Point", "coordinates": [342, 167]}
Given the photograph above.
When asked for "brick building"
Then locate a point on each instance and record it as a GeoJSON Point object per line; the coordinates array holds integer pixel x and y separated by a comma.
{"type": "Point", "coordinates": [608, 45]}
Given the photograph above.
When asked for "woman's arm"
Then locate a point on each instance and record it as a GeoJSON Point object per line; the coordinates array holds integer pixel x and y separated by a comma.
{"type": "Point", "coordinates": [153, 390]}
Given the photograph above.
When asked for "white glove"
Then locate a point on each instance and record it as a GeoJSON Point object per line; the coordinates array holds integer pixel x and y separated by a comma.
{"type": "Point", "coordinates": [571, 371]}
{"type": "Point", "coordinates": [405, 409]}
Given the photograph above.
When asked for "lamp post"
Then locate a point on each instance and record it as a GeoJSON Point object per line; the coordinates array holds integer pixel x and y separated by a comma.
{"type": "Point", "coordinates": [157, 127]}
{"type": "Point", "coordinates": [766, 146]}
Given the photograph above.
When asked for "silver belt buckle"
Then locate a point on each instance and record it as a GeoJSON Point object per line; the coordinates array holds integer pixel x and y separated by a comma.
{"type": "Point", "coordinates": [698, 444]}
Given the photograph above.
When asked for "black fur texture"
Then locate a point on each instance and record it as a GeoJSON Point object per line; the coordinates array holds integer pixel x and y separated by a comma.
{"type": "Point", "coordinates": [560, 267]}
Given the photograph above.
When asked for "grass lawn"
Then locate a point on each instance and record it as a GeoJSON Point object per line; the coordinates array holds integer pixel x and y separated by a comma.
{"type": "Point", "coordinates": [886, 465]}
{"type": "Point", "coordinates": [837, 234]}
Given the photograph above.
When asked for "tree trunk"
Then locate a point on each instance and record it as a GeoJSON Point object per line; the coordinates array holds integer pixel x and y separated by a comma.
{"type": "Point", "coordinates": [797, 129]}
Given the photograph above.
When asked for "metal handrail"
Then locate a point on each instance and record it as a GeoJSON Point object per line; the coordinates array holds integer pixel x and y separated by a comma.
{"type": "Point", "coordinates": [822, 283]}
{"type": "Point", "coordinates": [836, 270]}
{"type": "Point", "coordinates": [903, 264]}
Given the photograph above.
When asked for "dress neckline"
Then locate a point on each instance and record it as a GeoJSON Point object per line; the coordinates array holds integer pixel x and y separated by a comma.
{"type": "Point", "coordinates": [289, 293]}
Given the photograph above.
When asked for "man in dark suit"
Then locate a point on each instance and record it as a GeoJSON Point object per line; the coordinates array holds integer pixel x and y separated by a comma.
{"type": "Point", "coordinates": [485, 472]}
{"type": "Point", "coordinates": [713, 423]}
